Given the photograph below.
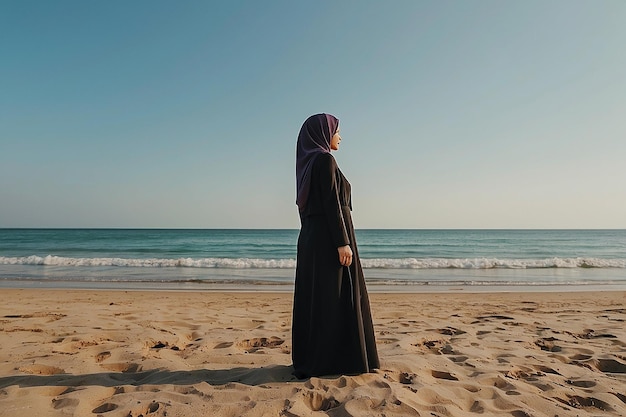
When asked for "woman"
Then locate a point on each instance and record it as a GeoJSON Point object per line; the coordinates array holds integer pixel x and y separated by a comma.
{"type": "Point", "coordinates": [332, 330]}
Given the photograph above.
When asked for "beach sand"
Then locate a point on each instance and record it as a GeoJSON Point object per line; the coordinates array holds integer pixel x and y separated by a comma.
{"type": "Point", "coordinates": [135, 353]}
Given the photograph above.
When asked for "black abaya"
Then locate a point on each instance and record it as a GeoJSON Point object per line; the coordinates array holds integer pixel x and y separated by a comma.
{"type": "Point", "coordinates": [332, 330]}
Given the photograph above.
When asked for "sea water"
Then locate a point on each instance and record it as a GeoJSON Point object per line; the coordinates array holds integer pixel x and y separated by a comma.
{"type": "Point", "coordinates": [266, 259]}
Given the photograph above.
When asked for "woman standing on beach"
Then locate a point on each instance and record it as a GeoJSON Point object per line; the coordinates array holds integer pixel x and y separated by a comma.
{"type": "Point", "coordinates": [332, 330]}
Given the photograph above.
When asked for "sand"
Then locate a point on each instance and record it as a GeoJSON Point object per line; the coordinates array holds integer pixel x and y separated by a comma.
{"type": "Point", "coordinates": [133, 353]}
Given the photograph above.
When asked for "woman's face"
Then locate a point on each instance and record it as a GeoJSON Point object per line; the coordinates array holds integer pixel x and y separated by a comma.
{"type": "Point", "coordinates": [334, 141]}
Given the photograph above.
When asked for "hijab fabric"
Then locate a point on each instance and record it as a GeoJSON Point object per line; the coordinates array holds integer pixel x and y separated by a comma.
{"type": "Point", "coordinates": [313, 140]}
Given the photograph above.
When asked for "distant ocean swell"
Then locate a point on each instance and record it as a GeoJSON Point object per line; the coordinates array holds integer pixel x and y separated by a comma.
{"type": "Point", "coordinates": [378, 263]}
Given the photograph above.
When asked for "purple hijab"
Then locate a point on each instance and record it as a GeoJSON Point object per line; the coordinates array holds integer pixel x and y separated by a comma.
{"type": "Point", "coordinates": [313, 140]}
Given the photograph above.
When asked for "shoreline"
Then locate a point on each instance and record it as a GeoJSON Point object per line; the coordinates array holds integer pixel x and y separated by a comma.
{"type": "Point", "coordinates": [121, 353]}
{"type": "Point", "coordinates": [279, 287]}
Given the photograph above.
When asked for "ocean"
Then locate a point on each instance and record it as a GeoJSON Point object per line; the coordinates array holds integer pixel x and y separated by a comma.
{"type": "Point", "coordinates": [253, 259]}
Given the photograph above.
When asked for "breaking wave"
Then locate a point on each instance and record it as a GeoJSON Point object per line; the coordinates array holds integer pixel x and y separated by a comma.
{"type": "Point", "coordinates": [378, 263]}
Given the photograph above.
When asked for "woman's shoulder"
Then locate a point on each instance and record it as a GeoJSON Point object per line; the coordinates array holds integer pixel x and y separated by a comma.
{"type": "Point", "coordinates": [326, 161]}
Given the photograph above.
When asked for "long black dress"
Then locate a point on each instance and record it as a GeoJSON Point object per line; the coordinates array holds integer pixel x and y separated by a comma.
{"type": "Point", "coordinates": [332, 330]}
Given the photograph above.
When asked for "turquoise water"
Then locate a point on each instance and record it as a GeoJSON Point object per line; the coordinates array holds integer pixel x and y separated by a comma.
{"type": "Point", "coordinates": [391, 258]}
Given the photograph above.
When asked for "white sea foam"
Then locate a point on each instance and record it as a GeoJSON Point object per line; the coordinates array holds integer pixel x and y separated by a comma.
{"type": "Point", "coordinates": [379, 263]}
{"type": "Point", "coordinates": [492, 263]}
{"type": "Point", "coordinates": [233, 263]}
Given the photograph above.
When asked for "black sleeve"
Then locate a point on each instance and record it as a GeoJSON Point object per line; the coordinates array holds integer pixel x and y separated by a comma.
{"type": "Point", "coordinates": [329, 188]}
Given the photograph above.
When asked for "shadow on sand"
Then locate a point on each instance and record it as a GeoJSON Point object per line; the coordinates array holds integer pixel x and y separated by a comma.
{"type": "Point", "coordinates": [247, 376]}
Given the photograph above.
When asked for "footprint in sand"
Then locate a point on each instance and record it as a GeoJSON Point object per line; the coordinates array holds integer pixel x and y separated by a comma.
{"type": "Point", "coordinates": [610, 366]}
{"type": "Point", "coordinates": [546, 369]}
{"type": "Point", "coordinates": [163, 345]}
{"type": "Point", "coordinates": [104, 408]}
{"type": "Point", "coordinates": [503, 384]}
{"type": "Point", "coordinates": [477, 407]}
{"type": "Point", "coordinates": [581, 384]}
{"type": "Point", "coordinates": [318, 402]}
{"type": "Point", "coordinates": [153, 407]}
{"type": "Point", "coordinates": [439, 346]}
{"type": "Point", "coordinates": [450, 331]}
{"type": "Point", "coordinates": [520, 413]}
{"type": "Point", "coordinates": [64, 402]}
{"type": "Point", "coordinates": [443, 375]}
{"type": "Point", "coordinates": [591, 334]}
{"type": "Point", "coordinates": [252, 345]}
{"type": "Point", "coordinates": [520, 373]}
{"type": "Point", "coordinates": [548, 344]}
{"type": "Point", "coordinates": [102, 356]}
{"type": "Point", "coordinates": [406, 378]}
{"type": "Point", "coordinates": [504, 358]}
{"type": "Point", "coordinates": [576, 401]}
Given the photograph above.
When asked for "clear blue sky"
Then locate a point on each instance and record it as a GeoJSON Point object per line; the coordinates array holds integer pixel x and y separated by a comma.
{"type": "Point", "coordinates": [454, 114]}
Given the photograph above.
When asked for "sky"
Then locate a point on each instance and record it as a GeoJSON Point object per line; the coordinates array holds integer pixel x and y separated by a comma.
{"type": "Point", "coordinates": [453, 114]}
